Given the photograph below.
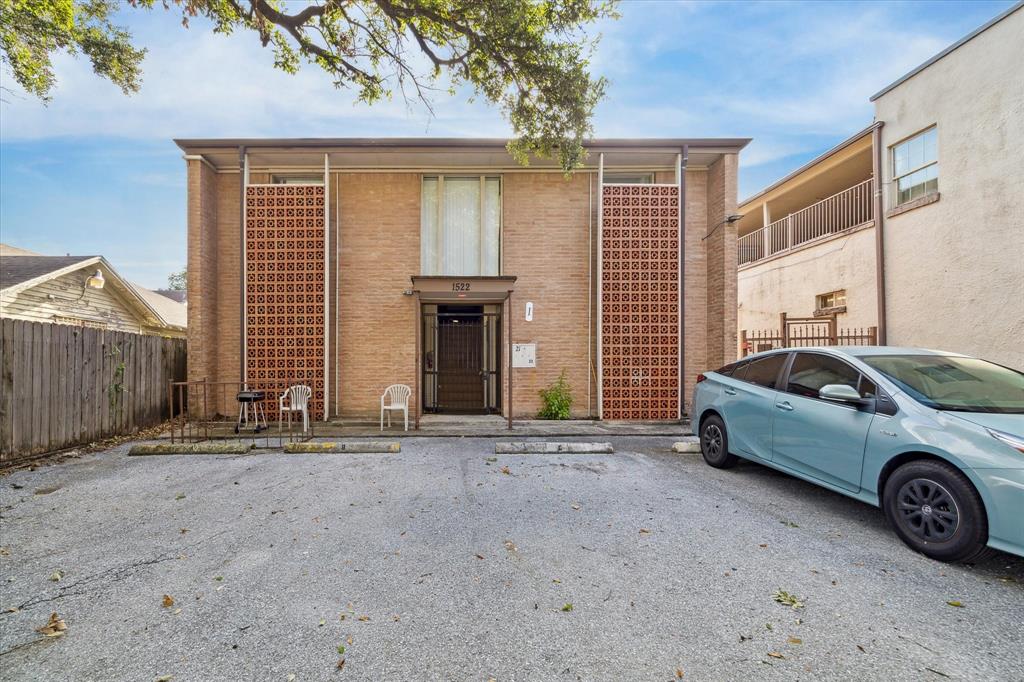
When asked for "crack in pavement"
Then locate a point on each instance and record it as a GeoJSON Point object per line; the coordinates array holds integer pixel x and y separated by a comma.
{"type": "Point", "coordinates": [114, 574]}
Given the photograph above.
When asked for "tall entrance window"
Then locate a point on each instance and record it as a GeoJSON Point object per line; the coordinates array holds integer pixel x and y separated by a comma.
{"type": "Point", "coordinates": [460, 225]}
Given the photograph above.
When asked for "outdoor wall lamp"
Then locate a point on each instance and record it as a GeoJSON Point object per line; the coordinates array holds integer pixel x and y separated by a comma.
{"type": "Point", "coordinates": [95, 281]}
{"type": "Point", "coordinates": [728, 219]}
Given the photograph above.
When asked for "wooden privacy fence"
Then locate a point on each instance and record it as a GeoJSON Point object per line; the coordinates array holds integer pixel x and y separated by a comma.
{"type": "Point", "coordinates": [62, 385]}
{"type": "Point", "coordinates": [805, 331]}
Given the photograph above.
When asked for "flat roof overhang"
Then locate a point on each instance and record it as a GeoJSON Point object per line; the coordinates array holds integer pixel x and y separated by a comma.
{"type": "Point", "coordinates": [476, 290]}
{"type": "Point", "coordinates": [440, 153]}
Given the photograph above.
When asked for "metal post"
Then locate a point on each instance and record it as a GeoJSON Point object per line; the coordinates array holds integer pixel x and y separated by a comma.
{"type": "Point", "coordinates": [170, 406]}
{"type": "Point", "coordinates": [417, 380]}
{"type": "Point", "coordinates": [784, 330]}
{"type": "Point", "coordinates": [243, 183]}
{"type": "Point", "coordinates": [508, 326]}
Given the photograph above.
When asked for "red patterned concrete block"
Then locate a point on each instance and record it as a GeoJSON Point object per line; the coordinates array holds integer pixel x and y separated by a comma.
{"type": "Point", "coordinates": [640, 302]}
{"type": "Point", "coordinates": [284, 289]}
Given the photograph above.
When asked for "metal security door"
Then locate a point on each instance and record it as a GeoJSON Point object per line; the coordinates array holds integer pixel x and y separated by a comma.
{"type": "Point", "coordinates": [459, 361]}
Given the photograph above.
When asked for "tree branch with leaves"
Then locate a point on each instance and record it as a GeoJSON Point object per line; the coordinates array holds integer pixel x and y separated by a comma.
{"type": "Point", "coordinates": [530, 58]}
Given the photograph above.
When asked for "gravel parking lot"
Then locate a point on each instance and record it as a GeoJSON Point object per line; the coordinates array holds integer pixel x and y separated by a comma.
{"type": "Point", "coordinates": [446, 562]}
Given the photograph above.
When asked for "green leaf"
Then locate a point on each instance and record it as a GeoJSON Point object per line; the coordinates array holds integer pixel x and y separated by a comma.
{"type": "Point", "coordinates": [791, 600]}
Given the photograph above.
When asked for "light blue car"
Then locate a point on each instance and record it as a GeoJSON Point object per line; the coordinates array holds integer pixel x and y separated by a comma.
{"type": "Point", "coordinates": [934, 439]}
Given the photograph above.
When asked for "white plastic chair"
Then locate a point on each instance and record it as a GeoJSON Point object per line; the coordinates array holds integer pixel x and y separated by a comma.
{"type": "Point", "coordinates": [298, 401]}
{"type": "Point", "coordinates": [396, 397]}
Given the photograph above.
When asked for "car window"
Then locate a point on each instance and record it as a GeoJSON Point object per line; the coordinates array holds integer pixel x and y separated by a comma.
{"type": "Point", "coordinates": [730, 368]}
{"type": "Point", "coordinates": [764, 371]}
{"type": "Point", "coordinates": [811, 371]}
{"type": "Point", "coordinates": [867, 388]}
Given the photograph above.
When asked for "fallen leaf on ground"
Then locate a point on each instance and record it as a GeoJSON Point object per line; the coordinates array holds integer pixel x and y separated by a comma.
{"type": "Point", "coordinates": [341, 664]}
{"type": "Point", "coordinates": [957, 604]}
{"type": "Point", "coordinates": [55, 627]}
{"type": "Point", "coordinates": [679, 673]}
{"type": "Point", "coordinates": [788, 599]}
{"type": "Point", "coordinates": [218, 578]}
{"type": "Point", "coordinates": [180, 496]}
{"type": "Point", "coordinates": [795, 640]}
{"type": "Point", "coordinates": [364, 618]}
{"type": "Point", "coordinates": [509, 545]}
{"type": "Point", "coordinates": [177, 611]}
{"type": "Point", "coordinates": [168, 600]}
{"type": "Point", "coordinates": [290, 678]}
{"type": "Point", "coordinates": [575, 506]}
{"type": "Point", "coordinates": [506, 470]}
{"type": "Point", "coordinates": [862, 650]}
{"type": "Point", "coordinates": [322, 623]}
{"type": "Point", "coordinates": [789, 524]}
{"type": "Point", "coordinates": [762, 546]}
{"type": "Point", "coordinates": [184, 530]}
{"type": "Point", "coordinates": [644, 531]}
{"type": "Point", "coordinates": [164, 678]}
{"type": "Point", "coordinates": [567, 607]}
{"type": "Point", "coordinates": [775, 654]}
{"type": "Point", "coordinates": [341, 649]}
{"type": "Point", "coordinates": [348, 640]}
{"type": "Point", "coordinates": [56, 576]}
{"type": "Point", "coordinates": [479, 556]}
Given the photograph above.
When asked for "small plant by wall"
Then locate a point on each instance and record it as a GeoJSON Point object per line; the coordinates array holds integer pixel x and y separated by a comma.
{"type": "Point", "coordinates": [557, 399]}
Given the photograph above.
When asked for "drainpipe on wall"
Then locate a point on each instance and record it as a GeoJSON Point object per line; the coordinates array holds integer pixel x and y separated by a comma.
{"type": "Point", "coordinates": [876, 171]}
{"type": "Point", "coordinates": [243, 180]}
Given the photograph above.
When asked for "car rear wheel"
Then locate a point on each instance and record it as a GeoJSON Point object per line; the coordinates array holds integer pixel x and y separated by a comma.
{"type": "Point", "coordinates": [714, 443]}
{"type": "Point", "coordinates": [936, 511]}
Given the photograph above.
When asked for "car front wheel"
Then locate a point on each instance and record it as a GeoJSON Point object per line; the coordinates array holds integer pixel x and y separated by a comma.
{"type": "Point", "coordinates": [714, 443]}
{"type": "Point", "coordinates": [936, 511]}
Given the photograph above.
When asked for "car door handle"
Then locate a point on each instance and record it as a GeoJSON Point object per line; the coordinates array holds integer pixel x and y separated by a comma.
{"type": "Point", "coordinates": [784, 406]}
{"type": "Point", "coordinates": [730, 391]}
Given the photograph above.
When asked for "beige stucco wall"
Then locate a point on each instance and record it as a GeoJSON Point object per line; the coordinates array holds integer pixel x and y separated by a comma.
{"type": "Point", "coordinates": [955, 268]}
{"type": "Point", "coordinates": [791, 283]}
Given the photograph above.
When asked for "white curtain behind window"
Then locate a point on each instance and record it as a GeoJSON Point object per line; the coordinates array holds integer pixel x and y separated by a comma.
{"type": "Point", "coordinates": [460, 235]}
{"type": "Point", "coordinates": [464, 243]}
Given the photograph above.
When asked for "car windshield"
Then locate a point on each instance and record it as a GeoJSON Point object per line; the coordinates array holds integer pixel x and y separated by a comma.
{"type": "Point", "coordinates": [953, 383]}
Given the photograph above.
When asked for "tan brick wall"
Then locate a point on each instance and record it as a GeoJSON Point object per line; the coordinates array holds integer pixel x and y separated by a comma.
{"type": "Point", "coordinates": [546, 222]}
{"type": "Point", "coordinates": [380, 249]}
{"type": "Point", "coordinates": [202, 264]}
{"type": "Point", "coordinates": [695, 283]}
{"type": "Point", "coordinates": [721, 259]}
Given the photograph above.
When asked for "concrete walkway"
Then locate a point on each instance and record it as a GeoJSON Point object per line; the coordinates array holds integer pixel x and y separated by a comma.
{"type": "Point", "coordinates": [475, 426]}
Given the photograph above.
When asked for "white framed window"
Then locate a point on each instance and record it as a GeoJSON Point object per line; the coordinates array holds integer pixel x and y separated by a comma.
{"type": "Point", "coordinates": [297, 179]}
{"type": "Point", "coordinates": [833, 299]}
{"type": "Point", "coordinates": [915, 166]}
{"type": "Point", "coordinates": [460, 225]}
{"type": "Point", "coordinates": [628, 178]}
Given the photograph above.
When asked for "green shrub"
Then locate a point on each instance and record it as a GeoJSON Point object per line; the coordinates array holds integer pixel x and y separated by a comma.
{"type": "Point", "coordinates": [557, 399]}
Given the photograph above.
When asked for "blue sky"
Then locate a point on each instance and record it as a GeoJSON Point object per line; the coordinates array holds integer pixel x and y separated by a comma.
{"type": "Point", "coordinates": [96, 172]}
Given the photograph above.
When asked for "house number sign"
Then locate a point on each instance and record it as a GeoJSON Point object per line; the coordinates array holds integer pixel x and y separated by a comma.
{"type": "Point", "coordinates": [460, 286]}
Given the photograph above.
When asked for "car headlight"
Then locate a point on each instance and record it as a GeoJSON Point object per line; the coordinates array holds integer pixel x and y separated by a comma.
{"type": "Point", "coordinates": [1015, 442]}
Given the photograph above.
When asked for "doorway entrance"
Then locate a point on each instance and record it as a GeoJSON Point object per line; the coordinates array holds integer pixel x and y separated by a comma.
{"type": "Point", "coordinates": [461, 359]}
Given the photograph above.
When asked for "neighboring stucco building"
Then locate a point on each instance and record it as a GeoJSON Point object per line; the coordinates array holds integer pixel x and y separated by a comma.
{"type": "Point", "coordinates": [83, 291]}
{"type": "Point", "coordinates": [953, 231]}
{"type": "Point", "coordinates": [934, 258]}
{"type": "Point", "coordinates": [426, 262]}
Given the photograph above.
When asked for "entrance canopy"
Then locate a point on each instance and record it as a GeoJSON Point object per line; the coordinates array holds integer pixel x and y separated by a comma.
{"type": "Point", "coordinates": [476, 290]}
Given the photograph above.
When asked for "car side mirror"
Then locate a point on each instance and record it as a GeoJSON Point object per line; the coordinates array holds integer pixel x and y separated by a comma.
{"type": "Point", "coordinates": [840, 393]}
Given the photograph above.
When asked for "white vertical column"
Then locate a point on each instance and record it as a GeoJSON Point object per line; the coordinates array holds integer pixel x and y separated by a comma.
{"type": "Point", "coordinates": [680, 382]}
{"type": "Point", "coordinates": [327, 284]}
{"type": "Point", "coordinates": [600, 284]}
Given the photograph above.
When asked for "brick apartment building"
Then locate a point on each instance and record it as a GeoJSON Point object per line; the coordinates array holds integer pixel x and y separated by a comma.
{"type": "Point", "coordinates": [443, 265]}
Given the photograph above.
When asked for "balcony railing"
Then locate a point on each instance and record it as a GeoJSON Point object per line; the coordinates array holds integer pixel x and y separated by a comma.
{"type": "Point", "coordinates": [841, 211]}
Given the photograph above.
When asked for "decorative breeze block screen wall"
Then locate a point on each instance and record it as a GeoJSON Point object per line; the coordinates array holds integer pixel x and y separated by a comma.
{"type": "Point", "coordinates": [640, 302]}
{"type": "Point", "coordinates": [284, 290]}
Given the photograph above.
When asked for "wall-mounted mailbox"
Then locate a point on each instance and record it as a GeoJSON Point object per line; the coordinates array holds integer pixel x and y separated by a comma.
{"type": "Point", "coordinates": [524, 355]}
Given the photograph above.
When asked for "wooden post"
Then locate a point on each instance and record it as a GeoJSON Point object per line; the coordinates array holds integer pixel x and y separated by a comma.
{"type": "Point", "coordinates": [743, 343]}
{"type": "Point", "coordinates": [873, 336]}
{"type": "Point", "coordinates": [833, 329]}
{"type": "Point", "coordinates": [170, 404]}
{"type": "Point", "coordinates": [783, 330]}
